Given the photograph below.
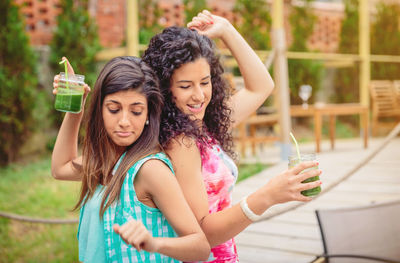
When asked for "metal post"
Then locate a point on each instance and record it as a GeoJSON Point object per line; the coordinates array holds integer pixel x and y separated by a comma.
{"type": "Point", "coordinates": [281, 77]}
{"type": "Point", "coordinates": [364, 51]}
{"type": "Point", "coordinates": [132, 28]}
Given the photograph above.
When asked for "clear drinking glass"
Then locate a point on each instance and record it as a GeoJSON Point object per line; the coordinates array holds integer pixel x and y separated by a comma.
{"type": "Point", "coordinates": [294, 160]}
{"type": "Point", "coordinates": [305, 94]}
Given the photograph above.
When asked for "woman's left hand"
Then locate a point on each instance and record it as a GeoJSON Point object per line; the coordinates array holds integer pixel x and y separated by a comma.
{"type": "Point", "coordinates": [209, 25]}
{"type": "Point", "coordinates": [136, 234]}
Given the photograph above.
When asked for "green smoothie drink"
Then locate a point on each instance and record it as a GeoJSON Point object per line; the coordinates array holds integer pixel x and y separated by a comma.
{"type": "Point", "coordinates": [294, 160]}
{"type": "Point", "coordinates": [70, 93]}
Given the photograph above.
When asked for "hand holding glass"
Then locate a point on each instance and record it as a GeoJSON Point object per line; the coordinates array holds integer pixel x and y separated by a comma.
{"type": "Point", "coordinates": [70, 93]}
{"type": "Point", "coordinates": [295, 160]}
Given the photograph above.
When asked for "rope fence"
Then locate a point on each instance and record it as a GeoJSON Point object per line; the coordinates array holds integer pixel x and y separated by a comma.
{"type": "Point", "coordinates": [395, 132]}
{"type": "Point", "coordinates": [391, 136]}
{"type": "Point", "coordinates": [37, 220]}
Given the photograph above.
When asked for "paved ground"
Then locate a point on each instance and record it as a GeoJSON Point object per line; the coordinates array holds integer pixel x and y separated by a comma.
{"type": "Point", "coordinates": [292, 235]}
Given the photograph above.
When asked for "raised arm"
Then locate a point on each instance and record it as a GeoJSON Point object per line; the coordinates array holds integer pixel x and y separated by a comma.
{"type": "Point", "coordinates": [257, 80]}
{"type": "Point", "coordinates": [65, 158]}
{"type": "Point", "coordinates": [224, 225]}
{"type": "Point", "coordinates": [156, 181]}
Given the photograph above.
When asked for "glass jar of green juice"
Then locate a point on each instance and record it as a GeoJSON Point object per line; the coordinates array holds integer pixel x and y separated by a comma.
{"type": "Point", "coordinates": [70, 93]}
{"type": "Point", "coordinates": [295, 160]}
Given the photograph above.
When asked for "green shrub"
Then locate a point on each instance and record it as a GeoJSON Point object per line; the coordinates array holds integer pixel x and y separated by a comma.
{"type": "Point", "coordinates": [149, 16]}
{"type": "Point", "coordinates": [301, 72]}
{"type": "Point", "coordinates": [192, 8]}
{"type": "Point", "coordinates": [254, 22]}
{"type": "Point", "coordinates": [18, 82]}
{"type": "Point", "coordinates": [76, 38]}
{"type": "Point", "coordinates": [346, 83]}
{"type": "Point", "coordinates": [385, 40]}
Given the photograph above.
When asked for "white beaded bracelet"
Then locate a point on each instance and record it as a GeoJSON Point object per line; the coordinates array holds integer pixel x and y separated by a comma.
{"type": "Point", "coordinates": [247, 211]}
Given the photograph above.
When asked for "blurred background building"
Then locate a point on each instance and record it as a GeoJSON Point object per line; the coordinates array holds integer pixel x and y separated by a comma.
{"type": "Point", "coordinates": [40, 16]}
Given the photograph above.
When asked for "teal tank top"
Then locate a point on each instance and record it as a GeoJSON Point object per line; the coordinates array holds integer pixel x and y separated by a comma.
{"type": "Point", "coordinates": [90, 230]}
{"type": "Point", "coordinates": [129, 207]}
{"type": "Point", "coordinates": [97, 240]}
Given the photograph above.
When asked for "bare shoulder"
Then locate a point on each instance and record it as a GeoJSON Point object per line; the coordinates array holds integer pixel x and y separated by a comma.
{"type": "Point", "coordinates": [154, 169]}
{"type": "Point", "coordinates": [182, 145]}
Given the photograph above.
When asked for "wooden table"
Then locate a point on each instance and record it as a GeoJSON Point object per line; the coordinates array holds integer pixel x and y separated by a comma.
{"type": "Point", "coordinates": [331, 110]}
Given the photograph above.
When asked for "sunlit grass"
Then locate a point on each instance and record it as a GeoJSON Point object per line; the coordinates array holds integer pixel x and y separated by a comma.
{"type": "Point", "coordinates": [30, 190]}
{"type": "Point", "coordinates": [248, 170]}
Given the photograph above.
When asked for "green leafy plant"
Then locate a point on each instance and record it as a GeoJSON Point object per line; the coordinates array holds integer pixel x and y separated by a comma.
{"type": "Point", "coordinates": [149, 16]}
{"type": "Point", "coordinates": [301, 72]}
{"type": "Point", "coordinates": [76, 38]}
{"type": "Point", "coordinates": [18, 82]}
{"type": "Point", "coordinates": [385, 40]}
{"type": "Point", "coordinates": [192, 8]}
{"type": "Point", "coordinates": [254, 22]}
{"type": "Point", "coordinates": [346, 82]}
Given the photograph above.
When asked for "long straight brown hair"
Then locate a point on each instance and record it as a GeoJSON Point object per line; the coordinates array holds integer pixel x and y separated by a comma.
{"type": "Point", "coordinates": [99, 151]}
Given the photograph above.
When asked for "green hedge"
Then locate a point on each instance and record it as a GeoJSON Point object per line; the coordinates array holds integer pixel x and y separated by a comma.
{"type": "Point", "coordinates": [18, 83]}
{"type": "Point", "coordinates": [75, 38]}
{"type": "Point", "coordinates": [301, 72]}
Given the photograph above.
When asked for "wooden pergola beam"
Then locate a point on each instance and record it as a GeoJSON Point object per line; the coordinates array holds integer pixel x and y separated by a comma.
{"type": "Point", "coordinates": [132, 28]}
{"type": "Point", "coordinates": [364, 51]}
{"type": "Point", "coordinates": [281, 77]}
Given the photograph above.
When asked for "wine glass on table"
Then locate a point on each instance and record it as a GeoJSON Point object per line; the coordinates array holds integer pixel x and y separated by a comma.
{"type": "Point", "coordinates": [305, 94]}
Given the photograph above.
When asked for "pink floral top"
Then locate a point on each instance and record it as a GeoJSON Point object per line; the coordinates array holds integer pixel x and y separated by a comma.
{"type": "Point", "coordinates": [219, 174]}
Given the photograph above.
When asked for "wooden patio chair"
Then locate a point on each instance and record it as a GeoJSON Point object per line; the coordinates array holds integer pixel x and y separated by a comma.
{"type": "Point", "coordinates": [362, 234]}
{"type": "Point", "coordinates": [246, 131]}
{"type": "Point", "coordinates": [254, 122]}
{"type": "Point", "coordinates": [385, 97]}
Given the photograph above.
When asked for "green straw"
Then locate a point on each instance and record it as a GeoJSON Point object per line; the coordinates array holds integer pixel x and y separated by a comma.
{"type": "Point", "coordinates": [297, 146]}
{"type": "Point", "coordinates": [65, 70]}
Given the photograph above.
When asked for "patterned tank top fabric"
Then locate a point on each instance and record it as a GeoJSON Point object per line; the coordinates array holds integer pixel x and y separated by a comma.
{"type": "Point", "coordinates": [220, 174]}
{"type": "Point", "coordinates": [129, 207]}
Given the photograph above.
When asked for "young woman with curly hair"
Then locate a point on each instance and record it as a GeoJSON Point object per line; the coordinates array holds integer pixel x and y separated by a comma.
{"type": "Point", "coordinates": [196, 122]}
{"type": "Point", "coordinates": [131, 206]}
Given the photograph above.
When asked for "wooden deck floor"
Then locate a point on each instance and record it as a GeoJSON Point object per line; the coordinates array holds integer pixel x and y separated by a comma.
{"type": "Point", "coordinates": [293, 235]}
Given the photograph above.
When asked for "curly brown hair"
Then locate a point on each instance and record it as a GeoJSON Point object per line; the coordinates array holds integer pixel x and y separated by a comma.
{"type": "Point", "coordinates": [169, 50]}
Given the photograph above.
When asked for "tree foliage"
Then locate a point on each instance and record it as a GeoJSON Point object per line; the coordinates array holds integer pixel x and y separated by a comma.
{"type": "Point", "coordinates": [149, 16]}
{"type": "Point", "coordinates": [301, 72]}
{"type": "Point", "coordinates": [254, 22]}
{"type": "Point", "coordinates": [346, 83]}
{"type": "Point", "coordinates": [18, 81]}
{"type": "Point", "coordinates": [76, 38]}
{"type": "Point", "coordinates": [192, 8]}
{"type": "Point", "coordinates": [385, 40]}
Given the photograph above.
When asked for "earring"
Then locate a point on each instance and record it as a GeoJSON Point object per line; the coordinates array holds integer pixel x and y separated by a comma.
{"type": "Point", "coordinates": [147, 122]}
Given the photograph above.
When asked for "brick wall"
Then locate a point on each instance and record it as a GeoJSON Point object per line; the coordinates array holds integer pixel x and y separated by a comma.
{"type": "Point", "coordinates": [111, 20]}
{"type": "Point", "coordinates": [327, 28]}
{"type": "Point", "coordinates": [40, 17]}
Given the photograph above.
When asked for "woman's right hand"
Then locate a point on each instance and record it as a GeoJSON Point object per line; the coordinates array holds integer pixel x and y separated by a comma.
{"type": "Point", "coordinates": [288, 185]}
{"type": "Point", "coordinates": [209, 25]}
{"type": "Point", "coordinates": [71, 72]}
{"type": "Point", "coordinates": [136, 234]}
